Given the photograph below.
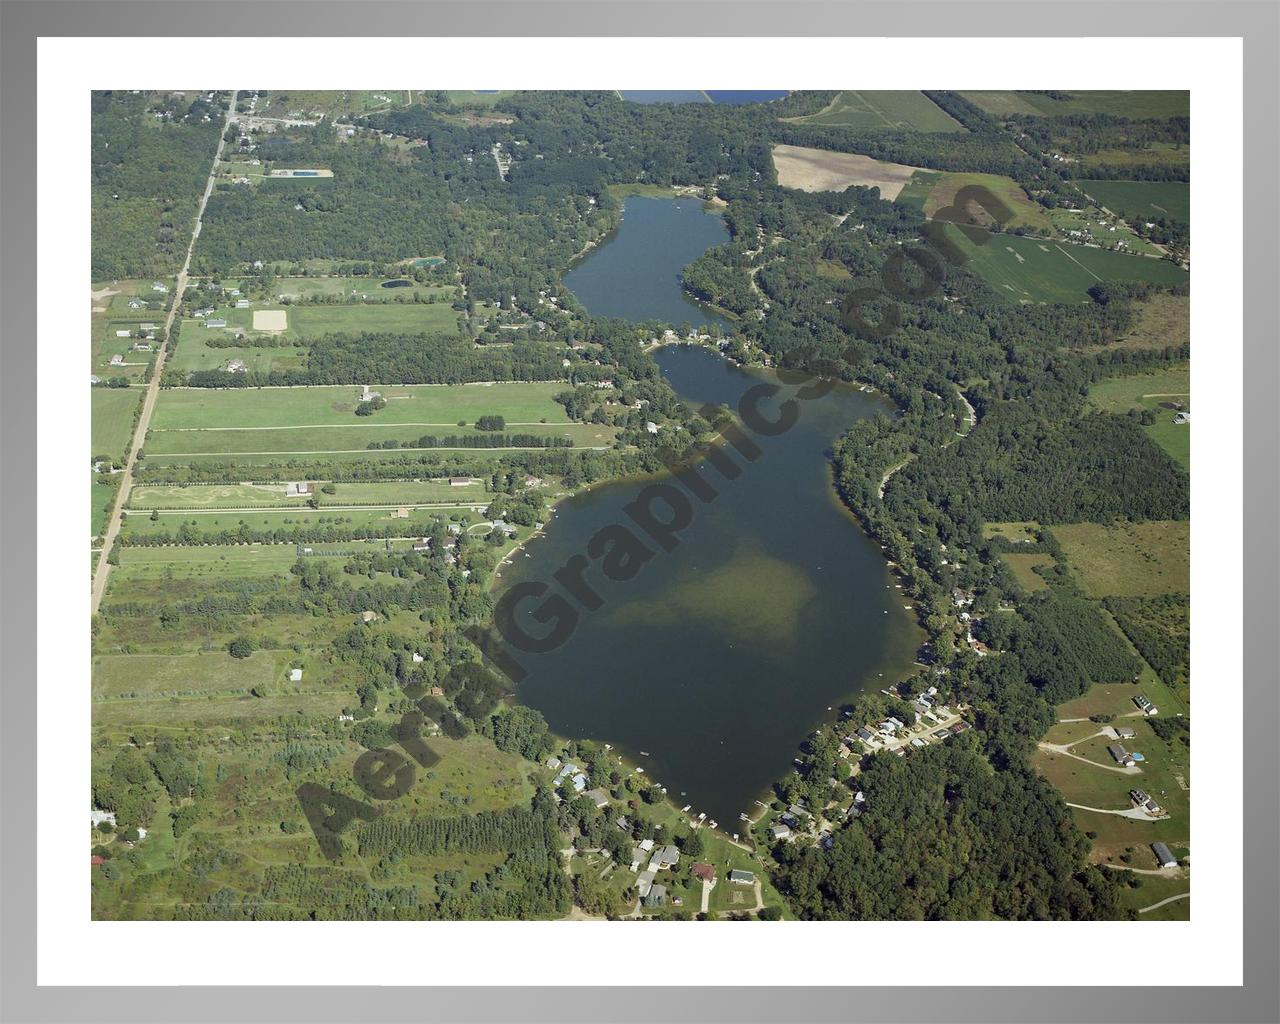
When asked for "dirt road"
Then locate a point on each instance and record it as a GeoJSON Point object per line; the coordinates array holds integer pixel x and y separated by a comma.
{"type": "Point", "coordinates": [153, 389]}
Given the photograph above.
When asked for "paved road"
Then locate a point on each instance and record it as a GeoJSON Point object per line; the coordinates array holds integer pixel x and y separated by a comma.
{"type": "Point", "coordinates": [153, 389]}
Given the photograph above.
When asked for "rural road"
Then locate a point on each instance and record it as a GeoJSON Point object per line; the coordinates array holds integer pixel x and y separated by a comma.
{"type": "Point", "coordinates": [442, 506]}
{"type": "Point", "coordinates": [153, 389]}
{"type": "Point", "coordinates": [1163, 902]}
{"type": "Point", "coordinates": [1065, 751]}
{"type": "Point", "coordinates": [1132, 812]}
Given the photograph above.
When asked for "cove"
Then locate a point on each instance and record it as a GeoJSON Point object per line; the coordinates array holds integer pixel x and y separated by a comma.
{"type": "Point", "coordinates": [635, 272]}
{"type": "Point", "coordinates": [714, 662]}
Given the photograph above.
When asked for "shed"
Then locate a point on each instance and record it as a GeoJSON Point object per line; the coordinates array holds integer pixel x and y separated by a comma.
{"type": "Point", "coordinates": [738, 877]}
{"type": "Point", "coordinates": [1163, 856]}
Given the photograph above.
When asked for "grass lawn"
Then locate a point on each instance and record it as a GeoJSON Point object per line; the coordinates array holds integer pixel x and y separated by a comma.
{"type": "Point", "coordinates": [356, 288]}
{"type": "Point", "coordinates": [194, 353]}
{"type": "Point", "coordinates": [314, 320]}
{"type": "Point", "coordinates": [211, 522]}
{"type": "Point", "coordinates": [1129, 559]}
{"type": "Point", "coordinates": [111, 419]}
{"type": "Point", "coordinates": [1025, 269]}
{"type": "Point", "coordinates": [156, 675]}
{"type": "Point", "coordinates": [1142, 200]}
{"type": "Point", "coordinates": [883, 109]}
{"type": "Point", "coordinates": [100, 498]}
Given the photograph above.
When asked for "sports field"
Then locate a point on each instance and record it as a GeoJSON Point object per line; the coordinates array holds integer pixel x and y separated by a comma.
{"type": "Point", "coordinates": [883, 109]}
{"type": "Point", "coordinates": [1145, 200]}
{"type": "Point", "coordinates": [931, 191]}
{"type": "Point", "coordinates": [1025, 269]}
{"type": "Point", "coordinates": [1134, 105]}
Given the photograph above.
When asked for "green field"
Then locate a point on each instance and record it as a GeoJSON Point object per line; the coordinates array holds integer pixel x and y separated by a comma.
{"type": "Point", "coordinates": [1142, 200]}
{"type": "Point", "coordinates": [1153, 391]}
{"type": "Point", "coordinates": [930, 191]}
{"type": "Point", "coordinates": [1024, 269]}
{"type": "Point", "coordinates": [249, 560]}
{"type": "Point", "coordinates": [884, 109]}
{"type": "Point", "coordinates": [210, 522]}
{"type": "Point", "coordinates": [111, 422]}
{"type": "Point", "coordinates": [246, 495]}
{"type": "Point", "coordinates": [1134, 105]}
{"type": "Point", "coordinates": [314, 320]}
{"type": "Point", "coordinates": [100, 498]}
{"type": "Point", "coordinates": [1129, 559]}
{"type": "Point", "coordinates": [1023, 567]}
{"type": "Point", "coordinates": [471, 98]}
{"type": "Point", "coordinates": [358, 289]}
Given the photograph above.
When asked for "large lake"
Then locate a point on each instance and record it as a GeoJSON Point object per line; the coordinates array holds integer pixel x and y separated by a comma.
{"type": "Point", "coordinates": [718, 658]}
{"type": "Point", "coordinates": [635, 272]}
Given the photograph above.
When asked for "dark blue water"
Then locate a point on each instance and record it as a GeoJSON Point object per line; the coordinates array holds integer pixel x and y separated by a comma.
{"type": "Point", "coordinates": [719, 657]}
{"type": "Point", "coordinates": [736, 96]}
{"type": "Point", "coordinates": [664, 95]}
{"type": "Point", "coordinates": [635, 274]}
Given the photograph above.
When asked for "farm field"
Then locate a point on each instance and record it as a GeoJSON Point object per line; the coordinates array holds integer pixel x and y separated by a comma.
{"type": "Point", "coordinates": [824, 170]}
{"type": "Point", "coordinates": [418, 521]}
{"type": "Point", "coordinates": [359, 289]}
{"type": "Point", "coordinates": [163, 675]}
{"type": "Point", "coordinates": [1156, 392]}
{"type": "Point", "coordinates": [883, 109]}
{"type": "Point", "coordinates": [930, 191]}
{"type": "Point", "coordinates": [111, 423]}
{"type": "Point", "coordinates": [1122, 103]}
{"type": "Point", "coordinates": [313, 320]}
{"type": "Point", "coordinates": [100, 498]}
{"type": "Point", "coordinates": [247, 495]}
{"type": "Point", "coordinates": [1162, 154]}
{"type": "Point", "coordinates": [1129, 559]}
{"type": "Point", "coordinates": [1024, 269]}
{"type": "Point", "coordinates": [242, 463]}
{"type": "Point", "coordinates": [212, 562]}
{"type": "Point", "coordinates": [411, 404]}
{"type": "Point", "coordinates": [343, 438]}
{"type": "Point", "coordinates": [1142, 200]}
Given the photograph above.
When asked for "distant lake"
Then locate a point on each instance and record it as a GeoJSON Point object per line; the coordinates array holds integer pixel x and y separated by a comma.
{"type": "Point", "coordinates": [635, 273]}
{"type": "Point", "coordinates": [712, 664]}
{"type": "Point", "coordinates": [734, 96]}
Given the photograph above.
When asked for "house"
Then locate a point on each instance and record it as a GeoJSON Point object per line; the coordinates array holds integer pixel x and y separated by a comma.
{"type": "Point", "coordinates": [704, 871]}
{"type": "Point", "coordinates": [579, 782]}
{"type": "Point", "coordinates": [1125, 732]}
{"type": "Point", "coordinates": [644, 882]}
{"type": "Point", "coordinates": [941, 734]}
{"type": "Point", "coordinates": [1120, 755]}
{"type": "Point", "coordinates": [779, 832]}
{"type": "Point", "coordinates": [295, 675]}
{"type": "Point", "coordinates": [367, 394]}
{"type": "Point", "coordinates": [135, 303]}
{"type": "Point", "coordinates": [597, 797]}
{"type": "Point", "coordinates": [865, 735]}
{"type": "Point", "coordinates": [553, 763]}
{"type": "Point", "coordinates": [664, 857]}
{"type": "Point", "coordinates": [796, 811]}
{"type": "Point", "coordinates": [623, 824]}
{"type": "Point", "coordinates": [651, 427]}
{"type": "Point", "coordinates": [156, 286]}
{"type": "Point", "coordinates": [97, 861]}
{"type": "Point", "coordinates": [94, 379]}
{"type": "Point", "coordinates": [645, 845]}
{"type": "Point", "coordinates": [217, 322]}
{"type": "Point", "coordinates": [117, 360]}
{"type": "Point", "coordinates": [1138, 796]}
{"type": "Point", "coordinates": [1182, 417]}
{"type": "Point", "coordinates": [917, 742]}
{"type": "Point", "coordinates": [655, 897]}
{"type": "Point", "coordinates": [742, 877]}
{"type": "Point", "coordinates": [97, 817]}
{"type": "Point", "coordinates": [123, 334]}
{"type": "Point", "coordinates": [1163, 857]}
{"type": "Point", "coordinates": [140, 346]}
{"type": "Point", "coordinates": [418, 659]}
{"type": "Point", "coordinates": [959, 727]}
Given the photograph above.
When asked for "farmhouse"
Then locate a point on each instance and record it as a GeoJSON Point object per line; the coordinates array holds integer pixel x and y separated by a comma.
{"type": "Point", "coordinates": [1120, 755]}
{"type": "Point", "coordinates": [1163, 857]}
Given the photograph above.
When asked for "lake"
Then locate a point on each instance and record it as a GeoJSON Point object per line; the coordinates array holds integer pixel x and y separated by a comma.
{"type": "Point", "coordinates": [718, 658]}
{"type": "Point", "coordinates": [635, 272]}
